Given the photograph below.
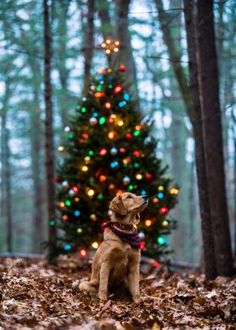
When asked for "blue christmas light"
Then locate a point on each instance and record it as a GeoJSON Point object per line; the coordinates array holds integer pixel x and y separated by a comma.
{"type": "Point", "coordinates": [95, 114]}
{"type": "Point", "coordinates": [143, 193]}
{"type": "Point", "coordinates": [160, 195]}
{"type": "Point", "coordinates": [67, 247]}
{"type": "Point", "coordinates": [161, 240]}
{"type": "Point", "coordinates": [77, 213]}
{"type": "Point", "coordinates": [114, 164]}
{"type": "Point", "coordinates": [122, 104]}
{"type": "Point", "coordinates": [126, 96]}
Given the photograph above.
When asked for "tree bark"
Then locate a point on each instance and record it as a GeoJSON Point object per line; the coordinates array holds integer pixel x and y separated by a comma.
{"type": "Point", "coordinates": [89, 42]}
{"type": "Point", "coordinates": [125, 55]}
{"type": "Point", "coordinates": [195, 116]}
{"type": "Point", "coordinates": [49, 141]}
{"type": "Point", "coordinates": [6, 169]}
{"type": "Point", "coordinates": [212, 134]}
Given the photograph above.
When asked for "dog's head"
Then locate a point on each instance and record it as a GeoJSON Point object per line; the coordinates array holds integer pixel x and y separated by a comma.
{"type": "Point", "coordinates": [126, 208]}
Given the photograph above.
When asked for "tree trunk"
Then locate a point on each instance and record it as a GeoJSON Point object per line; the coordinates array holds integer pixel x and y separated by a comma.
{"type": "Point", "coordinates": [6, 169]}
{"type": "Point", "coordinates": [88, 42]}
{"type": "Point", "coordinates": [49, 141]}
{"type": "Point", "coordinates": [125, 55]}
{"type": "Point", "coordinates": [212, 134]}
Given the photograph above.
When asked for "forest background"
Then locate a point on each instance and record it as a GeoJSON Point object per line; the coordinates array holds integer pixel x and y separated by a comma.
{"type": "Point", "coordinates": [78, 28]}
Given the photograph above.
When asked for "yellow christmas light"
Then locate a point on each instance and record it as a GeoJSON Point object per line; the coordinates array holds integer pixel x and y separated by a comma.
{"type": "Point", "coordinates": [84, 168]}
{"type": "Point", "coordinates": [165, 223]}
{"type": "Point", "coordinates": [174, 191]}
{"type": "Point", "coordinates": [61, 148]}
{"type": "Point", "coordinates": [148, 223]}
{"type": "Point", "coordinates": [160, 188]}
{"type": "Point", "coordinates": [76, 199]}
{"type": "Point", "coordinates": [90, 192]}
{"type": "Point", "coordinates": [138, 176]}
{"type": "Point", "coordinates": [87, 159]}
{"type": "Point", "coordinates": [110, 46]}
{"type": "Point", "coordinates": [95, 245]}
{"type": "Point", "coordinates": [62, 204]}
{"type": "Point", "coordinates": [79, 230]}
{"type": "Point", "coordinates": [120, 123]}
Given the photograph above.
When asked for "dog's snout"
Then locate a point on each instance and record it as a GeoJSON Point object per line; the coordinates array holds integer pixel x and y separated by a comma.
{"type": "Point", "coordinates": [145, 197]}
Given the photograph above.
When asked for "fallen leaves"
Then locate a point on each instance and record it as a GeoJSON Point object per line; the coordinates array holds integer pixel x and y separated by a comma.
{"type": "Point", "coordinates": [37, 296]}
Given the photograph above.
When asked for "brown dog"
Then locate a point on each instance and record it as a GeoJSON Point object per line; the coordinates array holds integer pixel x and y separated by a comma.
{"type": "Point", "coordinates": [117, 258]}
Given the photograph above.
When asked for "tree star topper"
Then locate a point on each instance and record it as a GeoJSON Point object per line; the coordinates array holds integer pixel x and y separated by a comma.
{"type": "Point", "coordinates": [110, 46]}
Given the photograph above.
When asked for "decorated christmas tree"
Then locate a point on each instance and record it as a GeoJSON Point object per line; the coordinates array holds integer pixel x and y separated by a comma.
{"type": "Point", "coordinates": [109, 149]}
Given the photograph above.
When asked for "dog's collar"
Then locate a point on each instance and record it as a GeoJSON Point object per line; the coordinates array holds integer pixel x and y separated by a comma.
{"type": "Point", "coordinates": [130, 237]}
{"type": "Point", "coordinates": [125, 228]}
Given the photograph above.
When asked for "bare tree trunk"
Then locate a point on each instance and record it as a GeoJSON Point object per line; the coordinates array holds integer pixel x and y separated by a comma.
{"type": "Point", "coordinates": [49, 142]}
{"type": "Point", "coordinates": [125, 55]}
{"type": "Point", "coordinates": [88, 42]}
{"type": "Point", "coordinates": [212, 134]}
{"type": "Point", "coordinates": [6, 169]}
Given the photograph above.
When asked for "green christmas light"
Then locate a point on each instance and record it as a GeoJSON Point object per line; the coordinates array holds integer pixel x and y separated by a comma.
{"type": "Point", "coordinates": [130, 187]}
{"type": "Point", "coordinates": [110, 86]}
{"type": "Point", "coordinates": [161, 240]}
{"type": "Point", "coordinates": [136, 165]}
{"type": "Point", "coordinates": [91, 152]}
{"type": "Point", "coordinates": [83, 109]}
{"type": "Point", "coordinates": [100, 197]}
{"type": "Point", "coordinates": [52, 223]}
{"type": "Point", "coordinates": [70, 136]}
{"type": "Point", "coordinates": [67, 202]}
{"type": "Point", "coordinates": [137, 133]}
{"type": "Point", "coordinates": [99, 88]}
{"type": "Point", "coordinates": [102, 120]}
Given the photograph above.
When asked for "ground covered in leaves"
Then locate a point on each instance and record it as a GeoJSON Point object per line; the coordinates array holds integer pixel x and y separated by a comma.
{"type": "Point", "coordinates": [37, 296]}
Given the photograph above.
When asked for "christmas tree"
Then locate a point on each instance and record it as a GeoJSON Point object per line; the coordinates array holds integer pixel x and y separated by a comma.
{"type": "Point", "coordinates": [108, 150]}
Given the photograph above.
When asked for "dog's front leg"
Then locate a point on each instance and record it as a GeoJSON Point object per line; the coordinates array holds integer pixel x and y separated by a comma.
{"type": "Point", "coordinates": [133, 280]}
{"type": "Point", "coordinates": [103, 283]}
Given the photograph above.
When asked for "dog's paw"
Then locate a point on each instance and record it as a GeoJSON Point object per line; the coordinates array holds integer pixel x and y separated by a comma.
{"type": "Point", "coordinates": [102, 296]}
{"type": "Point", "coordinates": [136, 299]}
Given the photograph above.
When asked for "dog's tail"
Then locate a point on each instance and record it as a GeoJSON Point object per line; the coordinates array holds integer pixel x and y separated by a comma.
{"type": "Point", "coordinates": [88, 287]}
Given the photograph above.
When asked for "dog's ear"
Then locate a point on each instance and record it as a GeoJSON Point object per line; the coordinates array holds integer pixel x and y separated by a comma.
{"type": "Point", "coordinates": [117, 206]}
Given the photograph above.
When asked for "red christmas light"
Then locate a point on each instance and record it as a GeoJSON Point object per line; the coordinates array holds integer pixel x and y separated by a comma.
{"type": "Point", "coordinates": [75, 189]}
{"type": "Point", "coordinates": [142, 245]}
{"type": "Point", "coordinates": [122, 68]}
{"type": "Point", "coordinates": [57, 179]}
{"type": "Point", "coordinates": [102, 152]}
{"type": "Point", "coordinates": [164, 210]}
{"type": "Point", "coordinates": [122, 150]}
{"type": "Point", "coordinates": [65, 217]}
{"type": "Point", "coordinates": [83, 253]}
{"type": "Point", "coordinates": [128, 136]}
{"type": "Point", "coordinates": [117, 89]}
{"type": "Point", "coordinates": [108, 105]}
{"type": "Point", "coordinates": [155, 200]}
{"type": "Point", "coordinates": [148, 176]}
{"type": "Point", "coordinates": [85, 136]}
{"type": "Point", "coordinates": [136, 153]}
{"type": "Point", "coordinates": [155, 264]}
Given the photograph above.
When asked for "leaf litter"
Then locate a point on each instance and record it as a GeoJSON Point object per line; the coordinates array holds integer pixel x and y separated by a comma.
{"type": "Point", "coordinates": [35, 295]}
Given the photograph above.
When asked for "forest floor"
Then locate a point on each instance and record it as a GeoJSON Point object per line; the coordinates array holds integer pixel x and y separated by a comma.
{"type": "Point", "coordinates": [37, 296]}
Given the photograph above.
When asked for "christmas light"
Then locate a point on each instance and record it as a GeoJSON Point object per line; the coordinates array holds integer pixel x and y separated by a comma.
{"type": "Point", "coordinates": [93, 217]}
{"type": "Point", "coordinates": [99, 94]}
{"type": "Point", "coordinates": [102, 120]}
{"type": "Point", "coordinates": [83, 109]}
{"type": "Point", "coordinates": [111, 186]}
{"type": "Point", "coordinates": [126, 96]}
{"type": "Point", "coordinates": [112, 118]}
{"type": "Point", "coordinates": [77, 213]}
{"type": "Point", "coordinates": [71, 192]}
{"type": "Point", "coordinates": [84, 136]}
{"type": "Point", "coordinates": [138, 176]}
{"type": "Point", "coordinates": [68, 203]}
{"type": "Point", "coordinates": [83, 253]}
{"type": "Point", "coordinates": [136, 133]}
{"type": "Point", "coordinates": [160, 188]}
{"type": "Point", "coordinates": [155, 200]}
{"type": "Point", "coordinates": [67, 247]}
{"type": "Point", "coordinates": [100, 197]}
{"type": "Point", "coordinates": [126, 180]}
{"type": "Point", "coordinates": [130, 187]}
{"type": "Point", "coordinates": [87, 159]}
{"type": "Point", "coordinates": [79, 230]}
{"type": "Point", "coordinates": [126, 161]}
{"type": "Point", "coordinates": [155, 264]}
{"type": "Point", "coordinates": [160, 195]}
{"type": "Point", "coordinates": [148, 176]}
{"type": "Point", "coordinates": [108, 105]}
{"type": "Point", "coordinates": [117, 89]}
{"type": "Point", "coordinates": [165, 223]}
{"type": "Point", "coordinates": [95, 245]}
{"type": "Point", "coordinates": [148, 223]}
{"type": "Point", "coordinates": [164, 210]}
{"type": "Point", "coordinates": [142, 245]}
{"type": "Point", "coordinates": [113, 151]}
{"type": "Point", "coordinates": [136, 153]}
{"type": "Point", "coordinates": [136, 165]}
{"type": "Point", "coordinates": [110, 46]}
{"type": "Point", "coordinates": [61, 148]}
{"type": "Point", "coordinates": [99, 88]}
{"type": "Point", "coordinates": [76, 199]}
{"type": "Point", "coordinates": [122, 104]}
{"type": "Point", "coordinates": [90, 192]}
{"type": "Point", "coordinates": [174, 191]}
{"type": "Point", "coordinates": [120, 123]}
{"type": "Point", "coordinates": [161, 240]}
{"type": "Point", "coordinates": [114, 164]}
{"type": "Point", "coordinates": [93, 121]}
{"type": "Point", "coordinates": [128, 136]}
{"type": "Point", "coordinates": [102, 178]}
{"type": "Point", "coordinates": [138, 127]}
{"type": "Point", "coordinates": [62, 204]}
{"type": "Point", "coordinates": [70, 136]}
{"type": "Point", "coordinates": [52, 223]}
{"type": "Point", "coordinates": [141, 235]}
{"type": "Point", "coordinates": [91, 152]}
{"type": "Point", "coordinates": [122, 150]}
{"type": "Point", "coordinates": [102, 152]}
{"type": "Point", "coordinates": [122, 68]}
{"type": "Point", "coordinates": [112, 134]}
{"type": "Point", "coordinates": [143, 192]}
{"type": "Point", "coordinates": [84, 168]}
{"type": "Point", "coordinates": [67, 129]}
{"type": "Point", "coordinates": [65, 217]}
{"type": "Point", "coordinates": [65, 184]}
